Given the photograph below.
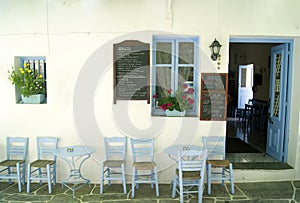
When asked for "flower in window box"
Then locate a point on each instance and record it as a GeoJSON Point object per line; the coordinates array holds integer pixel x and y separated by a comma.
{"type": "Point", "coordinates": [180, 100]}
{"type": "Point", "coordinates": [28, 82]}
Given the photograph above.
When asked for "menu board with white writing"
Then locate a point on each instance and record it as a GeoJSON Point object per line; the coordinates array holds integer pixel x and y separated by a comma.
{"type": "Point", "coordinates": [131, 71]}
{"type": "Point", "coordinates": [213, 96]}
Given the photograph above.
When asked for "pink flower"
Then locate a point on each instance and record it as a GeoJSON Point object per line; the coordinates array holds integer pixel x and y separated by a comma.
{"type": "Point", "coordinates": [191, 101]}
{"type": "Point", "coordinates": [190, 90]}
{"type": "Point", "coordinates": [184, 86]}
{"type": "Point", "coordinates": [169, 104]}
{"type": "Point", "coordinates": [163, 107]}
{"type": "Point", "coordinates": [169, 91]}
{"type": "Point", "coordinates": [184, 97]}
{"type": "Point", "coordinates": [155, 96]}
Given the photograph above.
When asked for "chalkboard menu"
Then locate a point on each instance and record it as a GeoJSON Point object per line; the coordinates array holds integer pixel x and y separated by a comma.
{"type": "Point", "coordinates": [131, 71]}
{"type": "Point", "coordinates": [213, 96]}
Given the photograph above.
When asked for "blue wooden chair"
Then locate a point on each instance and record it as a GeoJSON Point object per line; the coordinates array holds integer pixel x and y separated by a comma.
{"type": "Point", "coordinates": [113, 168]}
{"type": "Point", "coordinates": [144, 169]}
{"type": "Point", "coordinates": [14, 166]}
{"type": "Point", "coordinates": [44, 168]}
{"type": "Point", "coordinates": [189, 176]}
{"type": "Point", "coordinates": [218, 168]}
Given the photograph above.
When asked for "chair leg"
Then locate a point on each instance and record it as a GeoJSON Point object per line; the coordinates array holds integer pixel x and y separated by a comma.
{"type": "Point", "coordinates": [231, 178]}
{"type": "Point", "coordinates": [54, 174]}
{"type": "Point", "coordinates": [8, 171]}
{"type": "Point", "coordinates": [180, 189]}
{"type": "Point", "coordinates": [23, 173]}
{"type": "Point", "coordinates": [156, 181]}
{"type": "Point", "coordinates": [174, 186]}
{"type": "Point", "coordinates": [123, 179]}
{"type": "Point", "coordinates": [101, 179]}
{"type": "Point", "coordinates": [19, 177]}
{"type": "Point", "coordinates": [108, 176]}
{"type": "Point", "coordinates": [223, 176]}
{"type": "Point", "coordinates": [137, 186]}
{"type": "Point", "coordinates": [28, 178]}
{"type": "Point", "coordinates": [200, 193]}
{"type": "Point", "coordinates": [40, 175]}
{"type": "Point", "coordinates": [133, 182]}
{"type": "Point", "coordinates": [49, 179]}
{"type": "Point", "coordinates": [209, 179]}
{"type": "Point", "coordinates": [152, 179]}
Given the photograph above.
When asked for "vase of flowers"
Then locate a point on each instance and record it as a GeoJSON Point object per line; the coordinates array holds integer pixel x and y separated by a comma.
{"type": "Point", "coordinates": [176, 103]}
{"type": "Point", "coordinates": [29, 83]}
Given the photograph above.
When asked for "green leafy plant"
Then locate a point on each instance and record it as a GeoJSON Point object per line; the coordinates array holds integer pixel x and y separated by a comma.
{"type": "Point", "coordinates": [180, 100]}
{"type": "Point", "coordinates": [28, 82]}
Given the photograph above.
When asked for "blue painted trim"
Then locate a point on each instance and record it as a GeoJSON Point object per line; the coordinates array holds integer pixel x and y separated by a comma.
{"type": "Point", "coordinates": [261, 40]}
{"type": "Point", "coordinates": [289, 96]}
{"type": "Point", "coordinates": [33, 58]}
{"type": "Point", "coordinates": [174, 40]}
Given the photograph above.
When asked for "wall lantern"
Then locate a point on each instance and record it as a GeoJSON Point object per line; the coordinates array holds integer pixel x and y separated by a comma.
{"type": "Point", "coordinates": [215, 49]}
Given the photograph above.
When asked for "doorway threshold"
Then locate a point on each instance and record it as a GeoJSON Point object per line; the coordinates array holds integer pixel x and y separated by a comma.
{"type": "Point", "coordinates": [255, 161]}
{"type": "Point", "coordinates": [261, 166]}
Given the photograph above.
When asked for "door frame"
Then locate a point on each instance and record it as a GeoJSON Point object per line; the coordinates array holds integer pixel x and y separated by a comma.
{"type": "Point", "coordinates": [290, 42]}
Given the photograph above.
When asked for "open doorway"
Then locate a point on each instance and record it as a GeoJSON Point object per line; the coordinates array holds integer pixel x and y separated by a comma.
{"type": "Point", "coordinates": [253, 133]}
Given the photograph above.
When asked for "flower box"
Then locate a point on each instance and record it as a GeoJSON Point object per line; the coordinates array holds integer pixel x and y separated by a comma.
{"type": "Point", "coordinates": [175, 113]}
{"type": "Point", "coordinates": [33, 99]}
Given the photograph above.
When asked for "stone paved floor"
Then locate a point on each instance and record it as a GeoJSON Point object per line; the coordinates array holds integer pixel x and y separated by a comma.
{"type": "Point", "coordinates": [265, 192]}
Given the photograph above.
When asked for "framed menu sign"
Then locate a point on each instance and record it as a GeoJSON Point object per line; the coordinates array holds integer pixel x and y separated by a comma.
{"type": "Point", "coordinates": [213, 96]}
{"type": "Point", "coordinates": [131, 71]}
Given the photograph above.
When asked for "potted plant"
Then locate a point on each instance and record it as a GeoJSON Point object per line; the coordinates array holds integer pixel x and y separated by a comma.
{"type": "Point", "coordinates": [29, 83]}
{"type": "Point", "coordinates": [176, 104]}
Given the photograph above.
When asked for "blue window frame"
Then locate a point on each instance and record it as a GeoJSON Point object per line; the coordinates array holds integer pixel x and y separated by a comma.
{"type": "Point", "coordinates": [175, 63]}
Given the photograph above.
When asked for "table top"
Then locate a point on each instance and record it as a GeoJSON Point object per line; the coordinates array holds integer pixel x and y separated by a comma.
{"type": "Point", "coordinates": [78, 150]}
{"type": "Point", "coordinates": [173, 149]}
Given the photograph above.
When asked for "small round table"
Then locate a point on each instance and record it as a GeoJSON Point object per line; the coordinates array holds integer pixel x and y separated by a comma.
{"type": "Point", "coordinates": [172, 150]}
{"type": "Point", "coordinates": [74, 157]}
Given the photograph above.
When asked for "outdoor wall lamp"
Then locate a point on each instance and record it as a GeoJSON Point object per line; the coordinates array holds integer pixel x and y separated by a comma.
{"type": "Point", "coordinates": [215, 49]}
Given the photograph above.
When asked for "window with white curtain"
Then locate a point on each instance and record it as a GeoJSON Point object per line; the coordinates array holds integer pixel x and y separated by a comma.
{"type": "Point", "coordinates": [175, 63]}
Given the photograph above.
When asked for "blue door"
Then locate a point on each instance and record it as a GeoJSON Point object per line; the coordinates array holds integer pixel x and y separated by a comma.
{"type": "Point", "coordinates": [278, 103]}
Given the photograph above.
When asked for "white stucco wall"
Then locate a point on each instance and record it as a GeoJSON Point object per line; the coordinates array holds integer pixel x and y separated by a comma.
{"type": "Point", "coordinates": [76, 36]}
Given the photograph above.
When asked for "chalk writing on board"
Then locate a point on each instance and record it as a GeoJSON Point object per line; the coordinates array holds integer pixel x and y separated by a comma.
{"type": "Point", "coordinates": [131, 71]}
{"type": "Point", "coordinates": [214, 82]}
{"type": "Point", "coordinates": [213, 96]}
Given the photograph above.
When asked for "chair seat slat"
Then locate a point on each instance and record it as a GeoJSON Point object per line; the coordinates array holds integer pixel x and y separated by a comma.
{"type": "Point", "coordinates": [42, 163]}
{"type": "Point", "coordinates": [113, 163]}
{"type": "Point", "coordinates": [11, 162]}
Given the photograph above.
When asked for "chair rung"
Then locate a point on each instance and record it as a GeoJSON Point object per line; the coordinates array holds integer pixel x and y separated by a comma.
{"type": "Point", "coordinates": [9, 176]}
{"type": "Point", "coordinates": [144, 181]}
{"type": "Point", "coordinates": [39, 178]}
{"type": "Point", "coordinates": [37, 170]}
{"type": "Point", "coordinates": [112, 176]}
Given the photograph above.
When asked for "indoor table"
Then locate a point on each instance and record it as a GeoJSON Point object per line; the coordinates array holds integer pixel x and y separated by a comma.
{"type": "Point", "coordinates": [74, 156]}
